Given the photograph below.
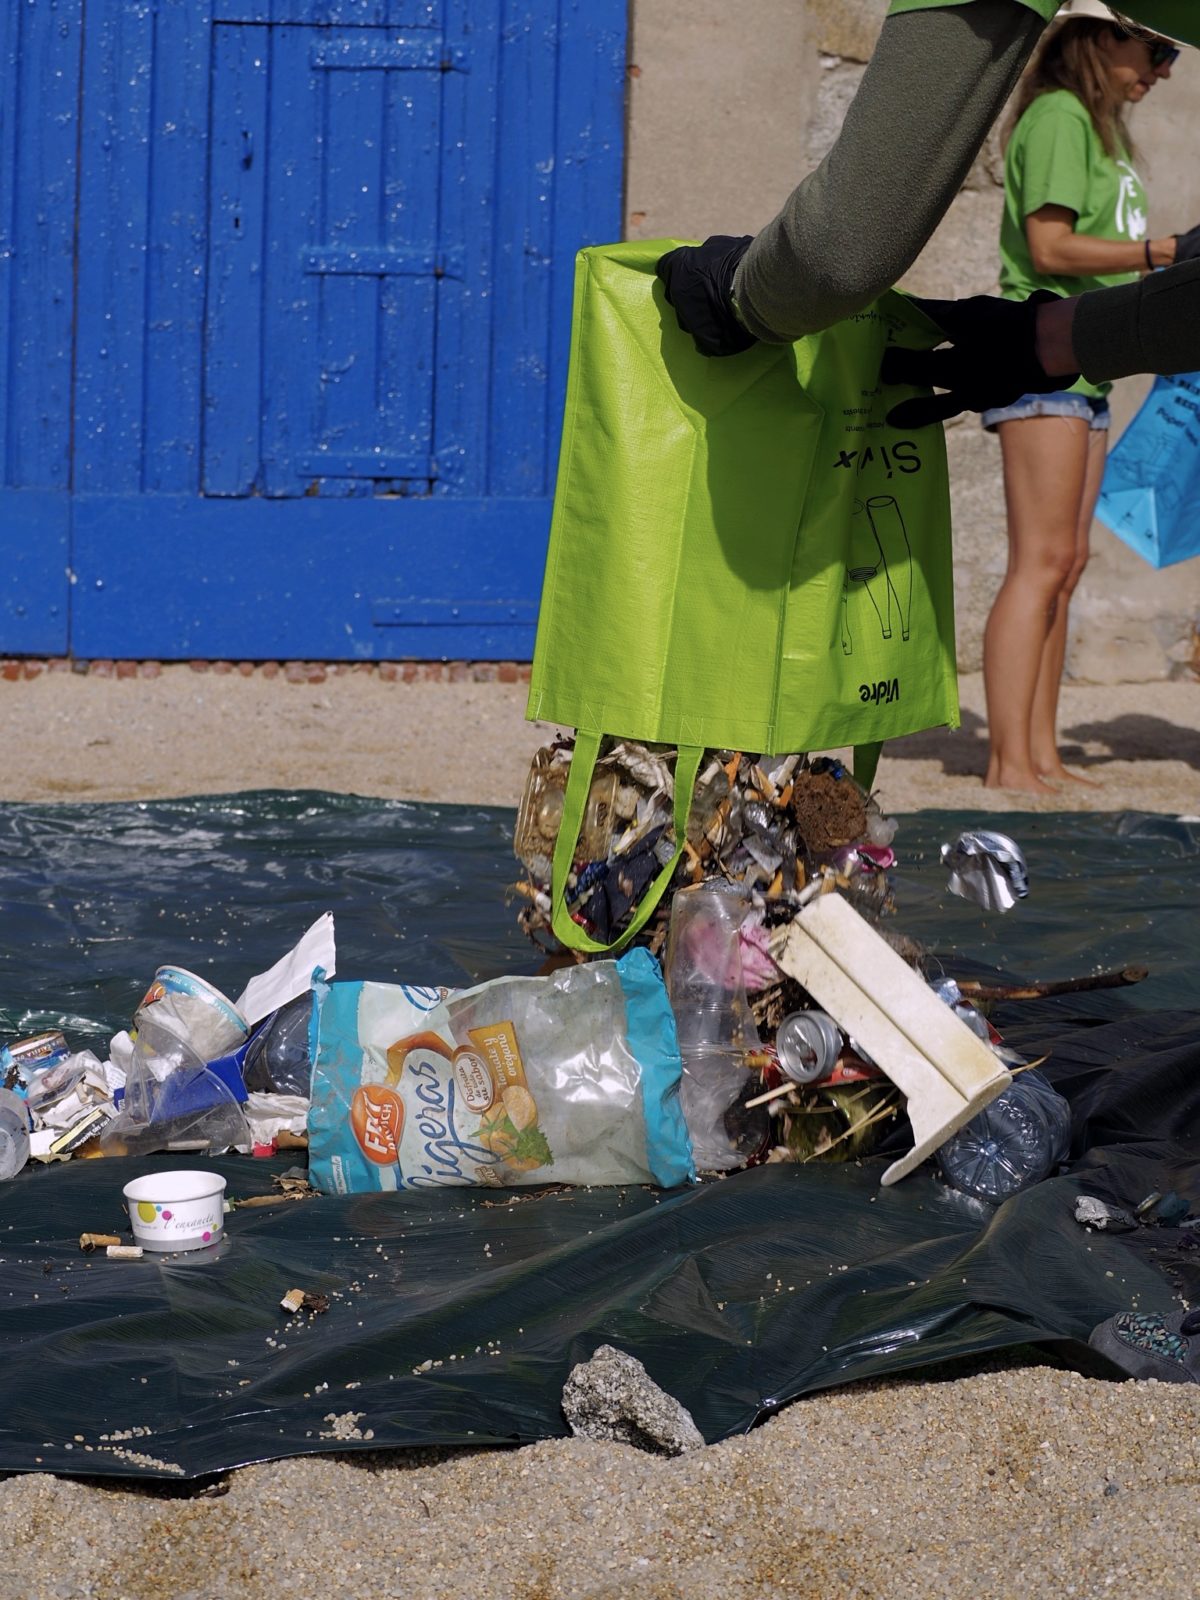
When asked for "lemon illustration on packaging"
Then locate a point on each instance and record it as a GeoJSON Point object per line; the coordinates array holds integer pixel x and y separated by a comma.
{"type": "Point", "coordinates": [146, 1211]}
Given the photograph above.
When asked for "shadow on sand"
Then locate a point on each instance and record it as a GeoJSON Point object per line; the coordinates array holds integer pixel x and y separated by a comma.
{"type": "Point", "coordinates": [963, 752]}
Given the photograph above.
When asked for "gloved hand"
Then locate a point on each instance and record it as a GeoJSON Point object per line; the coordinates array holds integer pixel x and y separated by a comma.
{"type": "Point", "coordinates": [1187, 245]}
{"type": "Point", "coordinates": [992, 359]}
{"type": "Point", "coordinates": [698, 279]}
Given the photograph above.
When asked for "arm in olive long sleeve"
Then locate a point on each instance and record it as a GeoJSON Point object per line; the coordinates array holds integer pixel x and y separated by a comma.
{"type": "Point", "coordinates": [934, 87]}
{"type": "Point", "coordinates": [1149, 326]}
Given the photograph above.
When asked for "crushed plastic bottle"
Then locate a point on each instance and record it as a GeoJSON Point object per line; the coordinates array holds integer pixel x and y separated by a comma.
{"type": "Point", "coordinates": [277, 1061]}
{"type": "Point", "coordinates": [1012, 1144]}
{"type": "Point", "coordinates": [715, 1025]}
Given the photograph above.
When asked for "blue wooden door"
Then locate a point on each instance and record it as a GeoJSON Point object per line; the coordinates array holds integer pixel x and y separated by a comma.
{"type": "Point", "coordinates": [324, 257]}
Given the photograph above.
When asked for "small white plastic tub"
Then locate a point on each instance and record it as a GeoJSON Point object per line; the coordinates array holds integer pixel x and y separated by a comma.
{"type": "Point", "coordinates": [176, 1210]}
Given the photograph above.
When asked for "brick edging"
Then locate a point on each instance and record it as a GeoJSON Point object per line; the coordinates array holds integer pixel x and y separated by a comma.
{"type": "Point", "coordinates": [14, 669]}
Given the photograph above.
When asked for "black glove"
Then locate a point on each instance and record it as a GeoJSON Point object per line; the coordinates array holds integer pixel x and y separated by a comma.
{"type": "Point", "coordinates": [992, 359]}
{"type": "Point", "coordinates": [1187, 245]}
{"type": "Point", "coordinates": [698, 279]}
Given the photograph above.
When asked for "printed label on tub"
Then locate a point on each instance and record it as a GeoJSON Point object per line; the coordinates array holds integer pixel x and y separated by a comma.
{"type": "Point", "coordinates": [189, 1219]}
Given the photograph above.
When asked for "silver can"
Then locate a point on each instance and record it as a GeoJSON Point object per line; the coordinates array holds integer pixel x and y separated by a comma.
{"type": "Point", "coordinates": [807, 1044]}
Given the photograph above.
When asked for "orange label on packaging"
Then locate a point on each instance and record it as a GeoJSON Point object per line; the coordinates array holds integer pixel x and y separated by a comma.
{"type": "Point", "coordinates": [497, 1044]}
{"type": "Point", "coordinates": [377, 1118]}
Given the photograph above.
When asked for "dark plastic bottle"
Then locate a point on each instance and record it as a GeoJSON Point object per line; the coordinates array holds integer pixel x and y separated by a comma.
{"type": "Point", "coordinates": [1012, 1144]}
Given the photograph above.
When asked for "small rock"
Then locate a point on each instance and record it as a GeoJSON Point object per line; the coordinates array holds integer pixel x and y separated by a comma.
{"type": "Point", "coordinates": [613, 1397]}
{"type": "Point", "coordinates": [1105, 1218]}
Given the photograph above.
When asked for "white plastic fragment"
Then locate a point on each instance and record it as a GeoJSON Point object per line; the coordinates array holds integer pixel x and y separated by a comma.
{"type": "Point", "coordinates": [944, 1071]}
{"type": "Point", "coordinates": [292, 974]}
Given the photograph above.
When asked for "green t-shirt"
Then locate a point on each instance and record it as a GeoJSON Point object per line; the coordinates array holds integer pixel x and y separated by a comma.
{"type": "Point", "coordinates": [1180, 19]}
{"type": "Point", "coordinates": [1055, 157]}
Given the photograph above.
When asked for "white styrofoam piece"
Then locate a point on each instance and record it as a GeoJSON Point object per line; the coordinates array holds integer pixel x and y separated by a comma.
{"type": "Point", "coordinates": [945, 1072]}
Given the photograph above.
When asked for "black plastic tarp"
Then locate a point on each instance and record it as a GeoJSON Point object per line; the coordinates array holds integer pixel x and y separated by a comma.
{"type": "Point", "coordinates": [454, 1317]}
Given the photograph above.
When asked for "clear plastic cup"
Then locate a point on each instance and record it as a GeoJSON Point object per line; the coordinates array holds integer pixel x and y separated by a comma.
{"type": "Point", "coordinates": [14, 1134]}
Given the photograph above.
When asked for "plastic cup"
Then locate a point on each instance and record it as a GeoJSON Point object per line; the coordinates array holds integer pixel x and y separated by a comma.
{"type": "Point", "coordinates": [211, 1022]}
{"type": "Point", "coordinates": [176, 1210]}
{"type": "Point", "coordinates": [14, 1134]}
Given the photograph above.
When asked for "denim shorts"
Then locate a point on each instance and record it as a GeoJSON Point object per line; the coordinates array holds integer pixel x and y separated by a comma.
{"type": "Point", "coordinates": [1058, 403]}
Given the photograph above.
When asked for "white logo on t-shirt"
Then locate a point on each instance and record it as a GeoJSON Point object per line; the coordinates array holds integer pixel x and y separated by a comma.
{"type": "Point", "coordinates": [1131, 217]}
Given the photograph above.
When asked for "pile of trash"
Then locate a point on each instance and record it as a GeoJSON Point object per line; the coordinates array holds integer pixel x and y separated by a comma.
{"type": "Point", "coordinates": [195, 1071]}
{"type": "Point", "coordinates": [768, 1073]}
{"type": "Point", "coordinates": [768, 1012]}
{"type": "Point", "coordinates": [769, 824]}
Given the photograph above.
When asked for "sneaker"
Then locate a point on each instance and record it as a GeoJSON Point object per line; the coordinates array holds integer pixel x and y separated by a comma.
{"type": "Point", "coordinates": [1147, 1345]}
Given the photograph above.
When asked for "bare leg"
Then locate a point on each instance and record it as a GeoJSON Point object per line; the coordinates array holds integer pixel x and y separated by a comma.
{"type": "Point", "coordinates": [1043, 724]}
{"type": "Point", "coordinates": [1045, 471]}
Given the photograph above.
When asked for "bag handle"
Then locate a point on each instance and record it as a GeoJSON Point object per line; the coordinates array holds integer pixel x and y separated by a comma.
{"type": "Point", "coordinates": [866, 762]}
{"type": "Point", "coordinates": [579, 784]}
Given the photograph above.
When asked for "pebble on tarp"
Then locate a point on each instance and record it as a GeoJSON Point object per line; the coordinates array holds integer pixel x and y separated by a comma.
{"type": "Point", "coordinates": [612, 1397]}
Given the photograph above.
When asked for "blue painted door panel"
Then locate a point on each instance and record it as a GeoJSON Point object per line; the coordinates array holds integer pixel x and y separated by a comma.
{"type": "Point", "coordinates": [324, 260]}
{"type": "Point", "coordinates": [35, 584]}
{"type": "Point", "coordinates": [39, 90]}
{"type": "Point", "coordinates": [313, 279]}
{"type": "Point", "coordinates": [334, 13]}
{"type": "Point", "coordinates": [431, 577]}
{"type": "Point", "coordinates": [142, 221]}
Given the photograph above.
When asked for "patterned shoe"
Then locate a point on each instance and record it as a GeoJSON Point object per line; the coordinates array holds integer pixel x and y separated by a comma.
{"type": "Point", "coordinates": [1146, 1345]}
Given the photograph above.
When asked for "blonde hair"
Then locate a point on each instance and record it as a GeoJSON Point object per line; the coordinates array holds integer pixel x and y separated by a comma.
{"type": "Point", "coordinates": [1069, 57]}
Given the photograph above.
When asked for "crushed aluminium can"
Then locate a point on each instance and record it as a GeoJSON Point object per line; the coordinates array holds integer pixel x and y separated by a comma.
{"type": "Point", "coordinates": [988, 868]}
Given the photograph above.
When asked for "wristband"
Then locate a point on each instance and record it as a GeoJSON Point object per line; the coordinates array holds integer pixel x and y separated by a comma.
{"type": "Point", "coordinates": [1149, 263]}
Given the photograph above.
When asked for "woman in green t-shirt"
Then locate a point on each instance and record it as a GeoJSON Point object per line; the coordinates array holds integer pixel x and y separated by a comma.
{"type": "Point", "coordinates": [1074, 220]}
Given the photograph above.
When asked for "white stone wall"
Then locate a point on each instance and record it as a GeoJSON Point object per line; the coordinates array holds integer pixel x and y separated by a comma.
{"type": "Point", "coordinates": [730, 105]}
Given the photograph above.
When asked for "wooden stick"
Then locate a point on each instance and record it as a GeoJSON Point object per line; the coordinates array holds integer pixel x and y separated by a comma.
{"type": "Point", "coordinates": [973, 989]}
{"type": "Point", "coordinates": [774, 1094]}
{"type": "Point", "coordinates": [886, 1108]}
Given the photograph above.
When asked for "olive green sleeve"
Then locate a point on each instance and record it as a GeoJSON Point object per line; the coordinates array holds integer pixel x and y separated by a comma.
{"type": "Point", "coordinates": [934, 87]}
{"type": "Point", "coordinates": [1149, 326]}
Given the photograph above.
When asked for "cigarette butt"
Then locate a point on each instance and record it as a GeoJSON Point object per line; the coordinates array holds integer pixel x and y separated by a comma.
{"type": "Point", "coordinates": [97, 1241]}
{"type": "Point", "coordinates": [124, 1252]}
{"type": "Point", "coordinates": [293, 1300]}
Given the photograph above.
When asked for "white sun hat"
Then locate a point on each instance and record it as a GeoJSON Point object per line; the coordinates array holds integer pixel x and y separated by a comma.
{"type": "Point", "coordinates": [1073, 9]}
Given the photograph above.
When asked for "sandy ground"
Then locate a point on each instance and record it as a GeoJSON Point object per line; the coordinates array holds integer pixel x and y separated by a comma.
{"type": "Point", "coordinates": [72, 737]}
{"type": "Point", "coordinates": [1010, 1481]}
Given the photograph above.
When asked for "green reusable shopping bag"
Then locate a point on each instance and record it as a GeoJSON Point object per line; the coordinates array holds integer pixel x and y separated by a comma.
{"type": "Point", "coordinates": [743, 555]}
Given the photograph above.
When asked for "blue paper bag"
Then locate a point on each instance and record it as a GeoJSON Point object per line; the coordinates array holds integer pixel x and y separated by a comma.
{"type": "Point", "coordinates": [1150, 496]}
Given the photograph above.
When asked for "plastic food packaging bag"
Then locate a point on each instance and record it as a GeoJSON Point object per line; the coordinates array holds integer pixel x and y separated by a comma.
{"type": "Point", "coordinates": [1012, 1144]}
{"type": "Point", "coordinates": [714, 1022]}
{"type": "Point", "coordinates": [570, 1078]}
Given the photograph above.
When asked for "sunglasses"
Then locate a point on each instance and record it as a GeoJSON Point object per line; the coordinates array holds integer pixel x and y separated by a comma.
{"type": "Point", "coordinates": [1162, 53]}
